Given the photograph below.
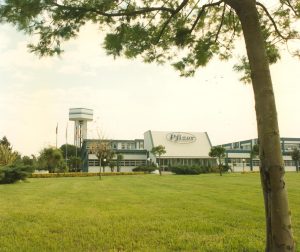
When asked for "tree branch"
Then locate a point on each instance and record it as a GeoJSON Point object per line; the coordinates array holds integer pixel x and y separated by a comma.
{"type": "Point", "coordinates": [179, 8]}
{"type": "Point", "coordinates": [116, 14]}
{"type": "Point", "coordinates": [202, 11]}
{"type": "Point", "coordinates": [272, 20]}
{"type": "Point", "coordinates": [288, 3]}
{"type": "Point", "coordinates": [221, 24]}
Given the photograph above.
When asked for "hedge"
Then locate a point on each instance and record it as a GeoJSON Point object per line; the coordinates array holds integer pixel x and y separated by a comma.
{"type": "Point", "coordinates": [81, 174]}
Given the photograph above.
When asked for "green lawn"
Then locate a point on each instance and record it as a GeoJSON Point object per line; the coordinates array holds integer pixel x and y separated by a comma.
{"type": "Point", "coordinates": [138, 213]}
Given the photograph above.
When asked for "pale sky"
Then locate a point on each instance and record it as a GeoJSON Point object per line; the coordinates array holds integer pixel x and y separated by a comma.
{"type": "Point", "coordinates": [128, 97]}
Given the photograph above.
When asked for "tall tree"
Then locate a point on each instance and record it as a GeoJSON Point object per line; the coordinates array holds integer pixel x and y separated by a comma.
{"type": "Point", "coordinates": [4, 141]}
{"type": "Point", "coordinates": [70, 150]}
{"type": "Point", "coordinates": [7, 156]}
{"type": "Point", "coordinates": [296, 158]}
{"type": "Point", "coordinates": [120, 157]}
{"type": "Point", "coordinates": [158, 151]}
{"type": "Point", "coordinates": [253, 154]}
{"type": "Point", "coordinates": [156, 30]}
{"type": "Point", "coordinates": [218, 152]}
{"type": "Point", "coordinates": [51, 159]}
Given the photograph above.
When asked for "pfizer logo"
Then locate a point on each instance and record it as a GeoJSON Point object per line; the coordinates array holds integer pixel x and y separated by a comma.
{"type": "Point", "coordinates": [181, 137]}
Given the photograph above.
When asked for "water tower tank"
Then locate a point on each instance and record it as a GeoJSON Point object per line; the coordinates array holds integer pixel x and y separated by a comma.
{"type": "Point", "coordinates": [80, 116]}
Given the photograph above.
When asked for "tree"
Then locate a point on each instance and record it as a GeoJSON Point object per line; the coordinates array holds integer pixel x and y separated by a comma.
{"type": "Point", "coordinates": [120, 157]}
{"type": "Point", "coordinates": [7, 156]}
{"type": "Point", "coordinates": [103, 151]}
{"type": "Point", "coordinates": [296, 157]}
{"type": "Point", "coordinates": [70, 150]}
{"type": "Point", "coordinates": [51, 159]}
{"type": "Point", "coordinates": [158, 150]}
{"type": "Point", "coordinates": [74, 164]}
{"type": "Point", "coordinates": [112, 165]}
{"type": "Point", "coordinates": [218, 152]}
{"type": "Point", "coordinates": [72, 154]}
{"type": "Point", "coordinates": [157, 30]}
{"type": "Point", "coordinates": [253, 154]}
{"type": "Point", "coordinates": [4, 141]}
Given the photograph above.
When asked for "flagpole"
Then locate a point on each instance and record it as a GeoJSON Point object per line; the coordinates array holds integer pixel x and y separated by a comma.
{"type": "Point", "coordinates": [56, 134]}
{"type": "Point", "coordinates": [67, 145]}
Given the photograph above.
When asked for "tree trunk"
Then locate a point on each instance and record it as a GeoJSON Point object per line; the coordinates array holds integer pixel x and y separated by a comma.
{"type": "Point", "coordinates": [100, 168]}
{"type": "Point", "coordinates": [220, 166]}
{"type": "Point", "coordinates": [278, 221]}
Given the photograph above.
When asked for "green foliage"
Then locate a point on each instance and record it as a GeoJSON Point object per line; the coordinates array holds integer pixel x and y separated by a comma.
{"type": "Point", "coordinates": [189, 170]}
{"type": "Point", "coordinates": [146, 169]}
{"type": "Point", "coordinates": [74, 164]}
{"type": "Point", "coordinates": [155, 30]}
{"type": "Point", "coordinates": [255, 151]}
{"type": "Point", "coordinates": [194, 170]}
{"type": "Point", "coordinates": [13, 173]}
{"type": "Point", "coordinates": [112, 165]}
{"type": "Point", "coordinates": [51, 159]}
{"type": "Point", "coordinates": [4, 141]}
{"type": "Point", "coordinates": [296, 157]}
{"type": "Point", "coordinates": [120, 157]}
{"type": "Point", "coordinates": [7, 156]}
{"type": "Point", "coordinates": [80, 174]}
{"type": "Point", "coordinates": [217, 151]}
{"type": "Point", "coordinates": [70, 150]}
{"type": "Point", "coordinates": [158, 150]}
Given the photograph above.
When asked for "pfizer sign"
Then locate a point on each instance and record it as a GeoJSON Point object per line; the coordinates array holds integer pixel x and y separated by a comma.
{"type": "Point", "coordinates": [181, 137]}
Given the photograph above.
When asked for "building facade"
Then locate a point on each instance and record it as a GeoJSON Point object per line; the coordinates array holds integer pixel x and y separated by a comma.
{"type": "Point", "coordinates": [182, 148]}
{"type": "Point", "coordinates": [239, 158]}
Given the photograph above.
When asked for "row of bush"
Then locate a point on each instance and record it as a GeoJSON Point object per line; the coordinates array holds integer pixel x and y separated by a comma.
{"type": "Point", "coordinates": [145, 169]}
{"type": "Point", "coordinates": [13, 173]}
{"type": "Point", "coordinates": [183, 169]}
{"type": "Point", "coordinates": [81, 174]}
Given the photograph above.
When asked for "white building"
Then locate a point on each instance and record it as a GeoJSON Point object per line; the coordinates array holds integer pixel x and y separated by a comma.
{"type": "Point", "coordinates": [182, 148]}
{"type": "Point", "coordinates": [238, 154]}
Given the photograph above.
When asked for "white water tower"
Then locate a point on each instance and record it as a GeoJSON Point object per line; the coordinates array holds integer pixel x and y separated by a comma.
{"type": "Point", "coordinates": [80, 116]}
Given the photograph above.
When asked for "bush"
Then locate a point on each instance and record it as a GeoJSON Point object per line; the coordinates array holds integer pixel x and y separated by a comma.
{"type": "Point", "coordinates": [13, 173]}
{"type": "Point", "coordinates": [193, 170]}
{"type": "Point", "coordinates": [146, 169]}
{"type": "Point", "coordinates": [81, 174]}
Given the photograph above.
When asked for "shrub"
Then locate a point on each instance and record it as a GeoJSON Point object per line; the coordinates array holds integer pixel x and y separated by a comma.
{"type": "Point", "coordinates": [81, 174]}
{"type": "Point", "coordinates": [13, 173]}
{"type": "Point", "coordinates": [146, 169]}
{"type": "Point", "coordinates": [193, 170]}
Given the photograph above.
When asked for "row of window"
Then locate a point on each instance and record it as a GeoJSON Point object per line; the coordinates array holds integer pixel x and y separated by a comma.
{"type": "Point", "coordinates": [255, 162]}
{"type": "Point", "coordinates": [184, 161]}
{"type": "Point", "coordinates": [134, 163]}
{"type": "Point", "coordinates": [126, 146]}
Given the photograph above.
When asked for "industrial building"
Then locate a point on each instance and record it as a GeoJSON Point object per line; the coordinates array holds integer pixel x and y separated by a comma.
{"type": "Point", "coordinates": [238, 154]}
{"type": "Point", "coordinates": [182, 148]}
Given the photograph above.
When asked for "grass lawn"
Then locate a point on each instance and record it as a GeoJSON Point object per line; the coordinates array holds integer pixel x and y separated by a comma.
{"type": "Point", "coordinates": [139, 213]}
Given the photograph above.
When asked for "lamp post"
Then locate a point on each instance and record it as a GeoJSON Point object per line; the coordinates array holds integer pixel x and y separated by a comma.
{"type": "Point", "coordinates": [243, 160]}
{"type": "Point", "coordinates": [104, 163]}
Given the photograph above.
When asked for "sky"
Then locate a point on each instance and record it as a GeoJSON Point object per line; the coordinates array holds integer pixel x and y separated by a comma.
{"type": "Point", "coordinates": [128, 97]}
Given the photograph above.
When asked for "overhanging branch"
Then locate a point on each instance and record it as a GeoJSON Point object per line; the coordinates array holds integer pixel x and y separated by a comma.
{"type": "Point", "coordinates": [272, 20]}
{"type": "Point", "coordinates": [221, 24]}
{"type": "Point", "coordinates": [115, 14]}
{"type": "Point", "coordinates": [201, 12]}
{"type": "Point", "coordinates": [178, 9]}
